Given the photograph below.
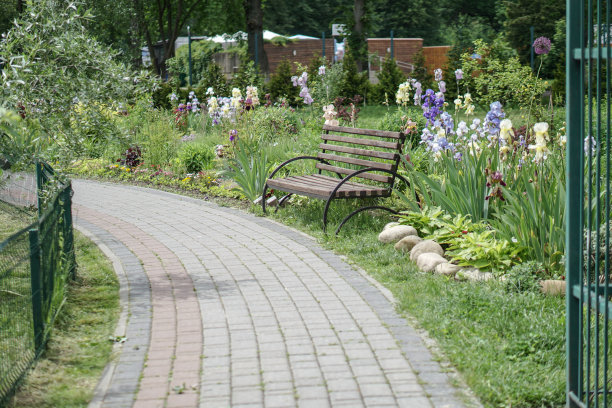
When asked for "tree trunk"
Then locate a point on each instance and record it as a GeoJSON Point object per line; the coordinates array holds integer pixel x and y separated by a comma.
{"type": "Point", "coordinates": [254, 23]}
{"type": "Point", "coordinates": [21, 6]}
{"type": "Point", "coordinates": [358, 14]}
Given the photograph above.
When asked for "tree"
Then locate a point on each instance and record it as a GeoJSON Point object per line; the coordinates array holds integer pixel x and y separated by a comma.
{"type": "Point", "coordinates": [523, 14]}
{"type": "Point", "coordinates": [254, 26]}
{"type": "Point", "coordinates": [163, 20]}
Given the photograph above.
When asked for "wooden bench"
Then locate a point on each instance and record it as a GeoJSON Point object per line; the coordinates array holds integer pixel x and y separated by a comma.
{"type": "Point", "coordinates": [346, 154]}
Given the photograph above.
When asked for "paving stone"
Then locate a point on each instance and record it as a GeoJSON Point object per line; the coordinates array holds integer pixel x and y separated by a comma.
{"type": "Point", "coordinates": [265, 305]}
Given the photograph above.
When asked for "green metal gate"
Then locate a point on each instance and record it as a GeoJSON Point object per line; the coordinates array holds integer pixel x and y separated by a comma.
{"type": "Point", "coordinates": [589, 309]}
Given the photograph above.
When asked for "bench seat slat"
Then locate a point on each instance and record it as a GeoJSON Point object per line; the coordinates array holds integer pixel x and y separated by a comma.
{"type": "Point", "coordinates": [366, 175]}
{"type": "Point", "coordinates": [359, 162]}
{"type": "Point", "coordinates": [314, 186]}
{"type": "Point", "coordinates": [365, 132]}
{"type": "Point", "coordinates": [362, 142]}
{"type": "Point", "coordinates": [360, 152]}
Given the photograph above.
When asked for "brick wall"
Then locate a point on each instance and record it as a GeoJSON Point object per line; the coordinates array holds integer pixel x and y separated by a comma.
{"type": "Point", "coordinates": [404, 50]}
{"type": "Point", "coordinates": [435, 57]}
{"type": "Point", "coordinates": [302, 51]}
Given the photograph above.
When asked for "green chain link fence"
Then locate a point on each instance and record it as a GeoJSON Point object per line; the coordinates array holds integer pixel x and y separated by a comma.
{"type": "Point", "coordinates": [36, 264]}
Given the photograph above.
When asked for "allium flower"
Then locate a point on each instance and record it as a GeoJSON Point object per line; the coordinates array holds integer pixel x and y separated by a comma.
{"type": "Point", "coordinates": [403, 96]}
{"type": "Point", "coordinates": [322, 70]}
{"type": "Point", "coordinates": [438, 75]}
{"type": "Point", "coordinates": [458, 74]}
{"type": "Point", "coordinates": [542, 45]}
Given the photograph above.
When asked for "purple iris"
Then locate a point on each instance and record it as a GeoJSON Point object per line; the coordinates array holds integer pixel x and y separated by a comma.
{"type": "Point", "coordinates": [493, 118]}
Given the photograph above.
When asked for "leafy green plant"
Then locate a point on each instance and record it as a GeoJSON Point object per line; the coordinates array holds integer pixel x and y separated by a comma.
{"type": "Point", "coordinates": [535, 214]}
{"type": "Point", "coordinates": [523, 277]}
{"type": "Point", "coordinates": [280, 82]}
{"type": "Point", "coordinates": [462, 188]}
{"type": "Point", "coordinates": [159, 140]}
{"type": "Point", "coordinates": [496, 76]}
{"type": "Point", "coordinates": [389, 79]}
{"type": "Point", "coordinates": [201, 55]}
{"type": "Point", "coordinates": [249, 169]}
{"type": "Point", "coordinates": [484, 251]}
{"type": "Point", "coordinates": [196, 157]}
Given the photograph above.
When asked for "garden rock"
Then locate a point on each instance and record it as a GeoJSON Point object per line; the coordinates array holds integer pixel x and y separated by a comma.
{"type": "Point", "coordinates": [394, 234]}
{"type": "Point", "coordinates": [428, 261]}
{"type": "Point", "coordinates": [391, 225]}
{"type": "Point", "coordinates": [407, 243]}
{"type": "Point", "coordinates": [447, 269]}
{"type": "Point", "coordinates": [425, 247]}
{"type": "Point", "coordinates": [553, 287]}
{"type": "Point", "coordinates": [474, 275]}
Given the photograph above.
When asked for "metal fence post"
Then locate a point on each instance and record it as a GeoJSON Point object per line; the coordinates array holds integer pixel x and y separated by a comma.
{"type": "Point", "coordinates": [323, 42]}
{"type": "Point", "coordinates": [392, 51]}
{"type": "Point", "coordinates": [189, 40]}
{"type": "Point", "coordinates": [68, 247]}
{"type": "Point", "coordinates": [36, 282]}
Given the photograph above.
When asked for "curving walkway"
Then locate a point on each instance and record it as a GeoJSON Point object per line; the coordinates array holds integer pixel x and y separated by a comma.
{"type": "Point", "coordinates": [224, 309]}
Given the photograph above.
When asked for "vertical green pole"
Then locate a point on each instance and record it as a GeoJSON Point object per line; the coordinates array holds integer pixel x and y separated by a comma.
{"type": "Point", "coordinates": [323, 43]}
{"type": "Point", "coordinates": [36, 282]}
{"type": "Point", "coordinates": [531, 35]}
{"type": "Point", "coordinates": [392, 53]}
{"type": "Point", "coordinates": [39, 185]}
{"type": "Point", "coordinates": [256, 52]}
{"type": "Point", "coordinates": [189, 41]}
{"type": "Point", "coordinates": [68, 246]}
{"type": "Point", "coordinates": [575, 186]}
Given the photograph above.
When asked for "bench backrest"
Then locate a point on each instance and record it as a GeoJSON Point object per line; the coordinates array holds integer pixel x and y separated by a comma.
{"type": "Point", "coordinates": [361, 147]}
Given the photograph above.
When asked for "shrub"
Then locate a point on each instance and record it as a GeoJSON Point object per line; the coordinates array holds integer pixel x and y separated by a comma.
{"type": "Point", "coordinates": [247, 76]}
{"type": "Point", "coordinates": [280, 83]}
{"type": "Point", "coordinates": [353, 82]}
{"type": "Point", "coordinates": [159, 139]}
{"type": "Point", "coordinates": [213, 78]}
{"type": "Point", "coordinates": [275, 122]}
{"type": "Point", "coordinates": [195, 157]}
{"type": "Point", "coordinates": [523, 277]}
{"type": "Point", "coordinates": [201, 53]}
{"type": "Point", "coordinates": [498, 76]}
{"type": "Point", "coordinates": [161, 96]}
{"type": "Point", "coordinates": [389, 79]}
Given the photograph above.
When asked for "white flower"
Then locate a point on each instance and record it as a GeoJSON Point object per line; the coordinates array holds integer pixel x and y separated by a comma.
{"type": "Point", "coordinates": [506, 132]}
{"type": "Point", "coordinates": [210, 91]}
{"type": "Point", "coordinates": [322, 70]}
{"type": "Point", "coordinates": [403, 95]}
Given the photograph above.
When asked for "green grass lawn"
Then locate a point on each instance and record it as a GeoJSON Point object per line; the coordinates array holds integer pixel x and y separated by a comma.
{"type": "Point", "coordinates": [79, 347]}
{"type": "Point", "coordinates": [509, 347]}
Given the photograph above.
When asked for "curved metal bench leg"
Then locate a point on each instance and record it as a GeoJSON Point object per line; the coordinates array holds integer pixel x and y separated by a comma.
{"type": "Point", "coordinates": [331, 197]}
{"type": "Point", "coordinates": [282, 201]}
{"type": "Point", "coordinates": [371, 207]}
{"type": "Point", "coordinates": [263, 198]}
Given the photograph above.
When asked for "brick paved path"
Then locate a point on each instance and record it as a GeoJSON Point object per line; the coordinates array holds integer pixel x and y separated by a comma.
{"type": "Point", "coordinates": [224, 309]}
